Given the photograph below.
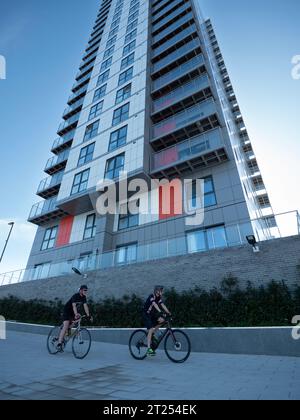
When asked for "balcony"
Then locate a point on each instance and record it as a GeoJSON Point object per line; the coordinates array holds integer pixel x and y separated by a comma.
{"type": "Point", "coordinates": [178, 72]}
{"type": "Point", "coordinates": [174, 56]}
{"type": "Point", "coordinates": [191, 30]}
{"type": "Point", "coordinates": [62, 143]}
{"type": "Point", "coordinates": [57, 163]}
{"type": "Point", "coordinates": [166, 10]}
{"type": "Point", "coordinates": [45, 211]}
{"type": "Point", "coordinates": [162, 24]}
{"type": "Point", "coordinates": [81, 82]}
{"type": "Point", "coordinates": [86, 63]}
{"type": "Point", "coordinates": [50, 186]}
{"type": "Point", "coordinates": [194, 120]}
{"type": "Point", "coordinates": [169, 31]}
{"type": "Point", "coordinates": [198, 152]}
{"type": "Point", "coordinates": [68, 125]}
{"type": "Point", "coordinates": [73, 109]}
{"type": "Point", "coordinates": [77, 95]}
{"type": "Point", "coordinates": [177, 95]}
{"type": "Point", "coordinates": [159, 5]}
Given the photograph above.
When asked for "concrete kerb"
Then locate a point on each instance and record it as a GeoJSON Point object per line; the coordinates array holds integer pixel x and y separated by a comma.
{"type": "Point", "coordinates": [273, 341]}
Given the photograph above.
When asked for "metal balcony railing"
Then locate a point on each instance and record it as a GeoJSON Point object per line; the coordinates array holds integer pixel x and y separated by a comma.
{"type": "Point", "coordinates": [182, 92]}
{"type": "Point", "coordinates": [69, 122]}
{"type": "Point", "coordinates": [166, 32]}
{"type": "Point", "coordinates": [61, 141]}
{"type": "Point", "coordinates": [77, 94]}
{"type": "Point", "coordinates": [50, 182]}
{"type": "Point", "coordinates": [42, 208]}
{"type": "Point", "coordinates": [56, 160]}
{"type": "Point", "coordinates": [178, 72]}
{"type": "Point", "coordinates": [177, 38]}
{"type": "Point", "coordinates": [73, 107]}
{"type": "Point", "coordinates": [189, 116]}
{"type": "Point", "coordinates": [195, 43]}
{"type": "Point", "coordinates": [186, 150]}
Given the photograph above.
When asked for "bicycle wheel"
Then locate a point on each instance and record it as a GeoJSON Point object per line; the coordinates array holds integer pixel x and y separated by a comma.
{"type": "Point", "coordinates": [81, 343]}
{"type": "Point", "coordinates": [138, 345]}
{"type": "Point", "coordinates": [178, 346]}
{"type": "Point", "coordinates": [53, 340]}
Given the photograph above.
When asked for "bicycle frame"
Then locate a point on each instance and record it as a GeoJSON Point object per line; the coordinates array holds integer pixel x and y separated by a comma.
{"type": "Point", "coordinates": [72, 326]}
{"type": "Point", "coordinates": [167, 332]}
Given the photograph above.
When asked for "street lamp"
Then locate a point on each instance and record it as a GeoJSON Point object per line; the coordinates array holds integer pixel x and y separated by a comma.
{"type": "Point", "coordinates": [11, 224]}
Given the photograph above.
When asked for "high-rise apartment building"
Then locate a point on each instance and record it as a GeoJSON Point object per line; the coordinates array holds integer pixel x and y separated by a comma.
{"type": "Point", "coordinates": [153, 98]}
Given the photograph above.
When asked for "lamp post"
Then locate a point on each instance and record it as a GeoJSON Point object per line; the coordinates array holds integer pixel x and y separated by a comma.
{"type": "Point", "coordinates": [11, 224]}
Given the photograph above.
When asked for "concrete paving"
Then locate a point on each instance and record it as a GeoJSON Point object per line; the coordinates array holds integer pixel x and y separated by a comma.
{"type": "Point", "coordinates": [28, 372]}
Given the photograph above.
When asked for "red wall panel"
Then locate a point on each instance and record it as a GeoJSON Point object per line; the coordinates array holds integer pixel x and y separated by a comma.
{"type": "Point", "coordinates": [64, 231]}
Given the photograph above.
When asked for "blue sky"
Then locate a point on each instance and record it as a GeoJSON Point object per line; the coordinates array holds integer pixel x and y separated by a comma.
{"type": "Point", "coordinates": [43, 42]}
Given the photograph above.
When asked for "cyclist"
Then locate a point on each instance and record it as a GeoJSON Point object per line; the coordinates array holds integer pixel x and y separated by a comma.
{"type": "Point", "coordinates": [153, 315]}
{"type": "Point", "coordinates": [71, 313]}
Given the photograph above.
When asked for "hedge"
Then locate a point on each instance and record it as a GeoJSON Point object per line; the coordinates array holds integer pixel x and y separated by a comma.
{"type": "Point", "coordinates": [229, 306]}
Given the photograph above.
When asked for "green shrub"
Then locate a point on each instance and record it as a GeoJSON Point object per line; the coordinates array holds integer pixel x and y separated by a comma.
{"type": "Point", "coordinates": [271, 305]}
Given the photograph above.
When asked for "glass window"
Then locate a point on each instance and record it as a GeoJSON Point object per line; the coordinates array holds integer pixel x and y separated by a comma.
{"type": "Point", "coordinates": [130, 36]}
{"type": "Point", "coordinates": [103, 78]}
{"type": "Point", "coordinates": [96, 110]}
{"type": "Point", "coordinates": [126, 254]}
{"type": "Point", "coordinates": [209, 193]}
{"type": "Point", "coordinates": [129, 48]}
{"type": "Point", "coordinates": [86, 154]}
{"type": "Point", "coordinates": [111, 41]}
{"type": "Point", "coordinates": [133, 8]}
{"type": "Point", "coordinates": [123, 94]}
{"type": "Point", "coordinates": [100, 93]}
{"type": "Point", "coordinates": [80, 182]}
{"type": "Point", "coordinates": [128, 220]}
{"type": "Point", "coordinates": [121, 114]}
{"type": "Point", "coordinates": [115, 23]}
{"type": "Point", "coordinates": [91, 131]}
{"type": "Point", "coordinates": [106, 64]}
{"type": "Point", "coordinates": [90, 227]}
{"type": "Point", "coordinates": [114, 166]}
{"type": "Point", "coordinates": [133, 2]}
{"type": "Point", "coordinates": [113, 32]}
{"type": "Point", "coordinates": [133, 16]}
{"type": "Point", "coordinates": [127, 61]}
{"type": "Point", "coordinates": [117, 14]}
{"type": "Point", "coordinates": [108, 52]}
{"type": "Point", "coordinates": [118, 138]}
{"type": "Point", "coordinates": [206, 239]}
{"type": "Point", "coordinates": [132, 25]}
{"type": "Point", "coordinates": [49, 238]}
{"type": "Point", "coordinates": [126, 76]}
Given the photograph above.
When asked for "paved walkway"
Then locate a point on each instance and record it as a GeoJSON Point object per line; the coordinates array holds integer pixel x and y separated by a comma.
{"type": "Point", "coordinates": [27, 371]}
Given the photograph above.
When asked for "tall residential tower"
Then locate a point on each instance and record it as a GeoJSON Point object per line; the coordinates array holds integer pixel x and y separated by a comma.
{"type": "Point", "coordinates": [153, 98]}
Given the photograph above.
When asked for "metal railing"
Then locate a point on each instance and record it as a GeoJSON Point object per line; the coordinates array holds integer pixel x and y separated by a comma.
{"type": "Point", "coordinates": [188, 149]}
{"type": "Point", "coordinates": [172, 27]}
{"type": "Point", "coordinates": [68, 122]}
{"type": "Point", "coordinates": [51, 181]}
{"type": "Point", "coordinates": [182, 92]}
{"type": "Point", "coordinates": [265, 228]}
{"type": "Point", "coordinates": [175, 55]}
{"type": "Point", "coordinates": [178, 72]}
{"type": "Point", "coordinates": [43, 207]}
{"type": "Point", "coordinates": [56, 160]}
{"type": "Point", "coordinates": [62, 140]}
{"type": "Point", "coordinates": [74, 106]}
{"type": "Point", "coordinates": [179, 37]}
{"type": "Point", "coordinates": [182, 119]}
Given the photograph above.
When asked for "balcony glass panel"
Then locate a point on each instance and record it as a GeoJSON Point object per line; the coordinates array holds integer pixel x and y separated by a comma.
{"type": "Point", "coordinates": [62, 140]}
{"type": "Point", "coordinates": [183, 34]}
{"type": "Point", "coordinates": [189, 116]}
{"type": "Point", "coordinates": [175, 55]}
{"type": "Point", "coordinates": [166, 9]}
{"type": "Point", "coordinates": [43, 207]}
{"type": "Point", "coordinates": [188, 149]}
{"type": "Point", "coordinates": [171, 16]}
{"type": "Point", "coordinates": [50, 181]}
{"type": "Point", "coordinates": [178, 72]}
{"type": "Point", "coordinates": [55, 160]}
{"type": "Point", "coordinates": [172, 27]}
{"type": "Point", "coordinates": [182, 92]}
{"type": "Point", "coordinates": [69, 122]}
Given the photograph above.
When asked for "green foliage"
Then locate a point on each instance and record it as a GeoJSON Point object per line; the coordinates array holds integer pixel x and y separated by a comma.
{"type": "Point", "coordinates": [271, 305]}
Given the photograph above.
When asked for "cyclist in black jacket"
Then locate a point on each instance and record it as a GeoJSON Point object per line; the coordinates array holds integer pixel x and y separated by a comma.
{"type": "Point", "coordinates": [153, 312]}
{"type": "Point", "coordinates": [71, 313]}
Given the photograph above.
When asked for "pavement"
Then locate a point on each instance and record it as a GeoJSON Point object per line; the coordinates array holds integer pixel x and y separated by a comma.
{"type": "Point", "coordinates": [28, 372]}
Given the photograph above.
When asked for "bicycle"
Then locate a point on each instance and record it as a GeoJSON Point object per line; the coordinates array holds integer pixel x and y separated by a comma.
{"type": "Point", "coordinates": [81, 340]}
{"type": "Point", "coordinates": [177, 344]}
